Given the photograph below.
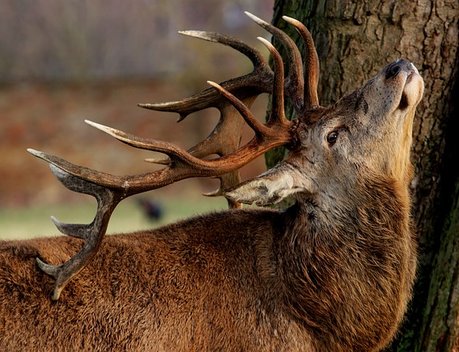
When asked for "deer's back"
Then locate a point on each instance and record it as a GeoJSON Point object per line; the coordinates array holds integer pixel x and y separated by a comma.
{"type": "Point", "coordinates": [168, 289]}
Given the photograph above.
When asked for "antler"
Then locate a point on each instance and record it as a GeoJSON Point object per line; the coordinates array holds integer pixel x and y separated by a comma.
{"type": "Point", "coordinates": [225, 137]}
{"type": "Point", "coordinates": [311, 59]}
{"type": "Point", "coordinates": [233, 98]}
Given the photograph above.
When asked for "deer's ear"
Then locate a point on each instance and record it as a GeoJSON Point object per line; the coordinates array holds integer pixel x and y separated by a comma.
{"type": "Point", "coordinates": [271, 187]}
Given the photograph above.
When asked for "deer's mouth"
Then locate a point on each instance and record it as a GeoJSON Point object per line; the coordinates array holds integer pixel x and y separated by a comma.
{"type": "Point", "coordinates": [413, 87]}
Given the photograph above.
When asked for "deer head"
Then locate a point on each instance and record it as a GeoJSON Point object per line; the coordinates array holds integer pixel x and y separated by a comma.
{"type": "Point", "coordinates": [321, 140]}
{"type": "Point", "coordinates": [367, 131]}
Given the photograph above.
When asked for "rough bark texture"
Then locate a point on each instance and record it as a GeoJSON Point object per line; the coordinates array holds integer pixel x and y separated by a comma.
{"type": "Point", "coordinates": [354, 40]}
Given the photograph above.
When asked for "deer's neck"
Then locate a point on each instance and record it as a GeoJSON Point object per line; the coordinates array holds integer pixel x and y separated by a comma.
{"type": "Point", "coordinates": [348, 268]}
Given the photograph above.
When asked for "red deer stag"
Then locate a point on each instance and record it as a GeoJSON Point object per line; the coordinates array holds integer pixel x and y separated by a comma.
{"type": "Point", "coordinates": [334, 272]}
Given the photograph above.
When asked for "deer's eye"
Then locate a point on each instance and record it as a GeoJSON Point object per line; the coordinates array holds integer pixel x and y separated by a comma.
{"type": "Point", "coordinates": [332, 137]}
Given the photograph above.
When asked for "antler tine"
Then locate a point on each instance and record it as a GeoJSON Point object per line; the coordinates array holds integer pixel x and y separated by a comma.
{"type": "Point", "coordinates": [311, 74]}
{"type": "Point", "coordinates": [278, 114]}
{"type": "Point", "coordinates": [227, 181]}
{"type": "Point", "coordinates": [92, 233]}
{"type": "Point", "coordinates": [252, 84]}
{"type": "Point", "coordinates": [245, 112]}
{"type": "Point", "coordinates": [177, 154]}
{"type": "Point", "coordinates": [254, 55]}
{"type": "Point", "coordinates": [295, 73]}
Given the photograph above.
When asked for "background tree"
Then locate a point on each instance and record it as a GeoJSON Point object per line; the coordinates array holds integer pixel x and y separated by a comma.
{"type": "Point", "coordinates": [355, 39]}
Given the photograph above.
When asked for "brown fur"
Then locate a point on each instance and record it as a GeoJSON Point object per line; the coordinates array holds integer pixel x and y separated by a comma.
{"type": "Point", "coordinates": [177, 288]}
{"type": "Point", "coordinates": [332, 273]}
{"type": "Point", "coordinates": [239, 287]}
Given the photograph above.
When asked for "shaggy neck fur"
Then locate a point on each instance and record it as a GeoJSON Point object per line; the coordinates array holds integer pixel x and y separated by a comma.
{"type": "Point", "coordinates": [346, 270]}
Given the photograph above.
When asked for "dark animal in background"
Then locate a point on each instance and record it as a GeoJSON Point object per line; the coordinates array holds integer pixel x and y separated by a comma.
{"type": "Point", "coordinates": [152, 209]}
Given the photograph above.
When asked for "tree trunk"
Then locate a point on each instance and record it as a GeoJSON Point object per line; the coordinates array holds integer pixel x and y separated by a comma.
{"type": "Point", "coordinates": [354, 40]}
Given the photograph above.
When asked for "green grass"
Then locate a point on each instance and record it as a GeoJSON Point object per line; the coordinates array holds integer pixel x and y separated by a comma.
{"type": "Point", "coordinates": [35, 221]}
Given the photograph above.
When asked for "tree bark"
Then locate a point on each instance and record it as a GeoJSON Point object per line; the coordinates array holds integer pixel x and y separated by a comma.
{"type": "Point", "coordinates": [354, 40]}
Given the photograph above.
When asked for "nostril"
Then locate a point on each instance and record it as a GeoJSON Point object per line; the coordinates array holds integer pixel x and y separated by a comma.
{"type": "Point", "coordinates": [403, 102]}
{"type": "Point", "coordinates": [393, 70]}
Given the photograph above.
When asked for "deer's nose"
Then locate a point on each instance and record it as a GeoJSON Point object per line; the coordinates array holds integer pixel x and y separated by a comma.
{"type": "Point", "coordinates": [394, 68]}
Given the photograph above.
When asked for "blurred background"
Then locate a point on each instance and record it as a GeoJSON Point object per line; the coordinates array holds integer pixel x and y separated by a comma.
{"type": "Point", "coordinates": [65, 61]}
